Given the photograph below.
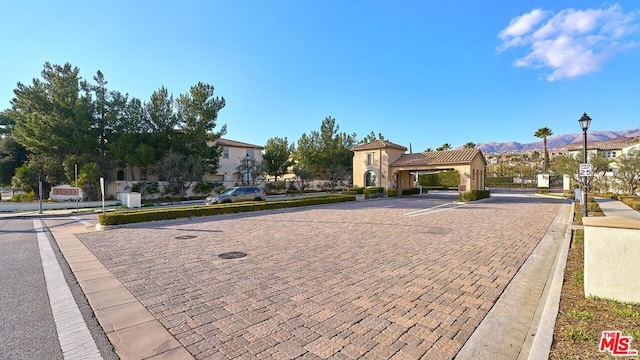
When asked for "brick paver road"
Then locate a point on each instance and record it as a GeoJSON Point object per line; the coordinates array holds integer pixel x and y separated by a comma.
{"type": "Point", "coordinates": [400, 278]}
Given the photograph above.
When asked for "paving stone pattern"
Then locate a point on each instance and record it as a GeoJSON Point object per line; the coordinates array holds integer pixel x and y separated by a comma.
{"type": "Point", "coordinates": [346, 281]}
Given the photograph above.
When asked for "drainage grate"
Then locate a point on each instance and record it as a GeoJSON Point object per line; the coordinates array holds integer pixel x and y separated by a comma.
{"type": "Point", "coordinates": [232, 255]}
{"type": "Point", "coordinates": [185, 237]}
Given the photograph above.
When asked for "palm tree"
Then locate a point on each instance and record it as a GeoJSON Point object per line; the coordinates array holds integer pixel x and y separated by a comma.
{"type": "Point", "coordinates": [544, 133]}
{"type": "Point", "coordinates": [469, 145]}
{"type": "Point", "coordinates": [445, 146]}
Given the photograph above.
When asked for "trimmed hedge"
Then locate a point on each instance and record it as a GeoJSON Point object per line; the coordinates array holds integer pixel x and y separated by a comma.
{"type": "Point", "coordinates": [358, 190]}
{"type": "Point", "coordinates": [413, 191]}
{"type": "Point", "coordinates": [373, 192]}
{"type": "Point", "coordinates": [136, 216]}
{"type": "Point", "coordinates": [392, 192]}
{"type": "Point", "coordinates": [447, 179]}
{"type": "Point", "coordinates": [473, 195]}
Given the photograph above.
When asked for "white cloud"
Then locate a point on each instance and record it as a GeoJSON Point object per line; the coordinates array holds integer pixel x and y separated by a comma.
{"type": "Point", "coordinates": [571, 42]}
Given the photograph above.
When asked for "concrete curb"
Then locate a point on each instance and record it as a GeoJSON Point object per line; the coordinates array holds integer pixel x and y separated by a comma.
{"type": "Point", "coordinates": [544, 335]}
{"type": "Point", "coordinates": [528, 305]}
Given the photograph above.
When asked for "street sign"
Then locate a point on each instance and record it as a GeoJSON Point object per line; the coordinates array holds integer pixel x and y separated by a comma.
{"type": "Point", "coordinates": [585, 170]}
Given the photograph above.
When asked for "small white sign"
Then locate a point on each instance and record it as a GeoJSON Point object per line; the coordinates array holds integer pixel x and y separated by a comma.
{"type": "Point", "coordinates": [585, 170]}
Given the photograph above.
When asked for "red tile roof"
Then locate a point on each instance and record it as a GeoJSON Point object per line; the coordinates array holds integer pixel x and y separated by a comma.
{"type": "Point", "coordinates": [378, 144]}
{"type": "Point", "coordinates": [447, 157]}
{"type": "Point", "coordinates": [233, 143]}
{"type": "Point", "coordinates": [613, 144]}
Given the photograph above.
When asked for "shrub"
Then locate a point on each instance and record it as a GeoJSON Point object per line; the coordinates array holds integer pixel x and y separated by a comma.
{"type": "Point", "coordinates": [373, 192]}
{"type": "Point", "coordinates": [204, 187]}
{"type": "Point", "coordinates": [358, 190]}
{"type": "Point", "coordinates": [473, 195]}
{"type": "Point", "coordinates": [135, 216]}
{"type": "Point", "coordinates": [543, 190]}
{"type": "Point", "coordinates": [24, 197]}
{"type": "Point", "coordinates": [447, 179]}
{"type": "Point", "coordinates": [413, 191]}
{"type": "Point", "coordinates": [392, 192]}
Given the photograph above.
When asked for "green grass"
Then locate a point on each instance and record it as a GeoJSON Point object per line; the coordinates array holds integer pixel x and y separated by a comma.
{"type": "Point", "coordinates": [576, 334]}
{"type": "Point", "coordinates": [580, 315]}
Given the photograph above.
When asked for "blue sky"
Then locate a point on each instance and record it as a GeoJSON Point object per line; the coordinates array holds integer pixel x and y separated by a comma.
{"type": "Point", "coordinates": [419, 72]}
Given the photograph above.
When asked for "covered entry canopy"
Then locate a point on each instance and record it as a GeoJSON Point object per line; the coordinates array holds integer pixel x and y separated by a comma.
{"type": "Point", "coordinates": [469, 163]}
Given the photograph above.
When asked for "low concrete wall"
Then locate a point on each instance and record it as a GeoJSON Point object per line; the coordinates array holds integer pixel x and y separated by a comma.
{"type": "Point", "coordinates": [611, 258]}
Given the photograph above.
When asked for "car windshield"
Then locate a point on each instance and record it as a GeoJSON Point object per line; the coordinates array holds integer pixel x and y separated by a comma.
{"type": "Point", "coordinates": [228, 192]}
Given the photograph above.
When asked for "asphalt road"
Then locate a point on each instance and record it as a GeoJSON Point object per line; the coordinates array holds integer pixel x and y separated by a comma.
{"type": "Point", "coordinates": [27, 327]}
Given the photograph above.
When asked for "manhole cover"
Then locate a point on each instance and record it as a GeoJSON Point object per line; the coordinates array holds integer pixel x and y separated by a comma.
{"type": "Point", "coordinates": [185, 237]}
{"type": "Point", "coordinates": [232, 255]}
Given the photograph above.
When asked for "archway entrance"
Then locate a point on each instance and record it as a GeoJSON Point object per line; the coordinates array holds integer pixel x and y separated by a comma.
{"type": "Point", "coordinates": [370, 178]}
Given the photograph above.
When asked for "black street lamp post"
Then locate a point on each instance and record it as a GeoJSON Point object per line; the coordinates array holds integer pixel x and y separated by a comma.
{"type": "Point", "coordinates": [584, 122]}
{"type": "Point", "coordinates": [246, 175]}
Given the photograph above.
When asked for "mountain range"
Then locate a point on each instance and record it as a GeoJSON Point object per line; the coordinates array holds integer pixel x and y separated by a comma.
{"type": "Point", "coordinates": [555, 142]}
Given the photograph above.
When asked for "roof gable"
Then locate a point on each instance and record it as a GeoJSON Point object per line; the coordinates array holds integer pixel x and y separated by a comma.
{"type": "Point", "coordinates": [379, 144]}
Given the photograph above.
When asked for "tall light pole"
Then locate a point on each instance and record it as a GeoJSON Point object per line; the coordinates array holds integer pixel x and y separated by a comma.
{"type": "Point", "coordinates": [584, 122]}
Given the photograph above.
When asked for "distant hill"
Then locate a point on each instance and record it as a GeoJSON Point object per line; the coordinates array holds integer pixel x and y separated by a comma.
{"type": "Point", "coordinates": [555, 142]}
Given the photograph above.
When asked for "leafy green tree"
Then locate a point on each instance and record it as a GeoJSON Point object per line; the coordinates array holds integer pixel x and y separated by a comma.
{"type": "Point", "coordinates": [89, 179]}
{"type": "Point", "coordinates": [443, 147]}
{"type": "Point", "coordinates": [543, 133]}
{"type": "Point", "coordinates": [197, 113]}
{"type": "Point", "coordinates": [6, 123]}
{"type": "Point", "coordinates": [50, 115]}
{"type": "Point", "coordinates": [567, 165]}
{"type": "Point", "coordinates": [601, 165]}
{"type": "Point", "coordinates": [182, 170]}
{"type": "Point", "coordinates": [628, 172]}
{"type": "Point", "coordinates": [277, 156]}
{"type": "Point", "coordinates": [428, 150]}
{"type": "Point", "coordinates": [25, 179]}
{"type": "Point", "coordinates": [469, 145]}
{"type": "Point", "coordinates": [249, 170]}
{"type": "Point", "coordinates": [327, 153]}
{"type": "Point", "coordinates": [12, 155]}
{"type": "Point", "coordinates": [302, 177]}
{"type": "Point", "coordinates": [371, 137]}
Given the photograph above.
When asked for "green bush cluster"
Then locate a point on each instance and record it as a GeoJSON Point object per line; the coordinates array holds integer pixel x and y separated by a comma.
{"type": "Point", "coordinates": [413, 191]}
{"type": "Point", "coordinates": [444, 179]}
{"type": "Point", "coordinates": [392, 192]}
{"type": "Point", "coordinates": [136, 216]}
{"type": "Point", "coordinates": [24, 197]}
{"type": "Point", "coordinates": [358, 190]}
{"type": "Point", "coordinates": [373, 192]}
{"type": "Point", "coordinates": [473, 195]}
{"type": "Point", "coordinates": [498, 180]}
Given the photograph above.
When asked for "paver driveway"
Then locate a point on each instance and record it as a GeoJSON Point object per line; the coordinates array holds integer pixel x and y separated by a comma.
{"type": "Point", "coordinates": [403, 277]}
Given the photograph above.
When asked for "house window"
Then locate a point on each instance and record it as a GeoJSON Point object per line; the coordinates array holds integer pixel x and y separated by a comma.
{"type": "Point", "coordinates": [120, 175]}
{"type": "Point", "coordinates": [250, 154]}
{"type": "Point", "coordinates": [225, 152]}
{"type": "Point", "coordinates": [370, 159]}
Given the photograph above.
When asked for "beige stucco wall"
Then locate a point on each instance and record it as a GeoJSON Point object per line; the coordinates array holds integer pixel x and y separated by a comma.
{"type": "Point", "coordinates": [227, 171]}
{"type": "Point", "coordinates": [381, 159]}
{"type": "Point", "coordinates": [611, 253]}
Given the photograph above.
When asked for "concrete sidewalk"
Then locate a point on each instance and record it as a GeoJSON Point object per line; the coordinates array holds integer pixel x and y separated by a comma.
{"type": "Point", "coordinates": [612, 207]}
